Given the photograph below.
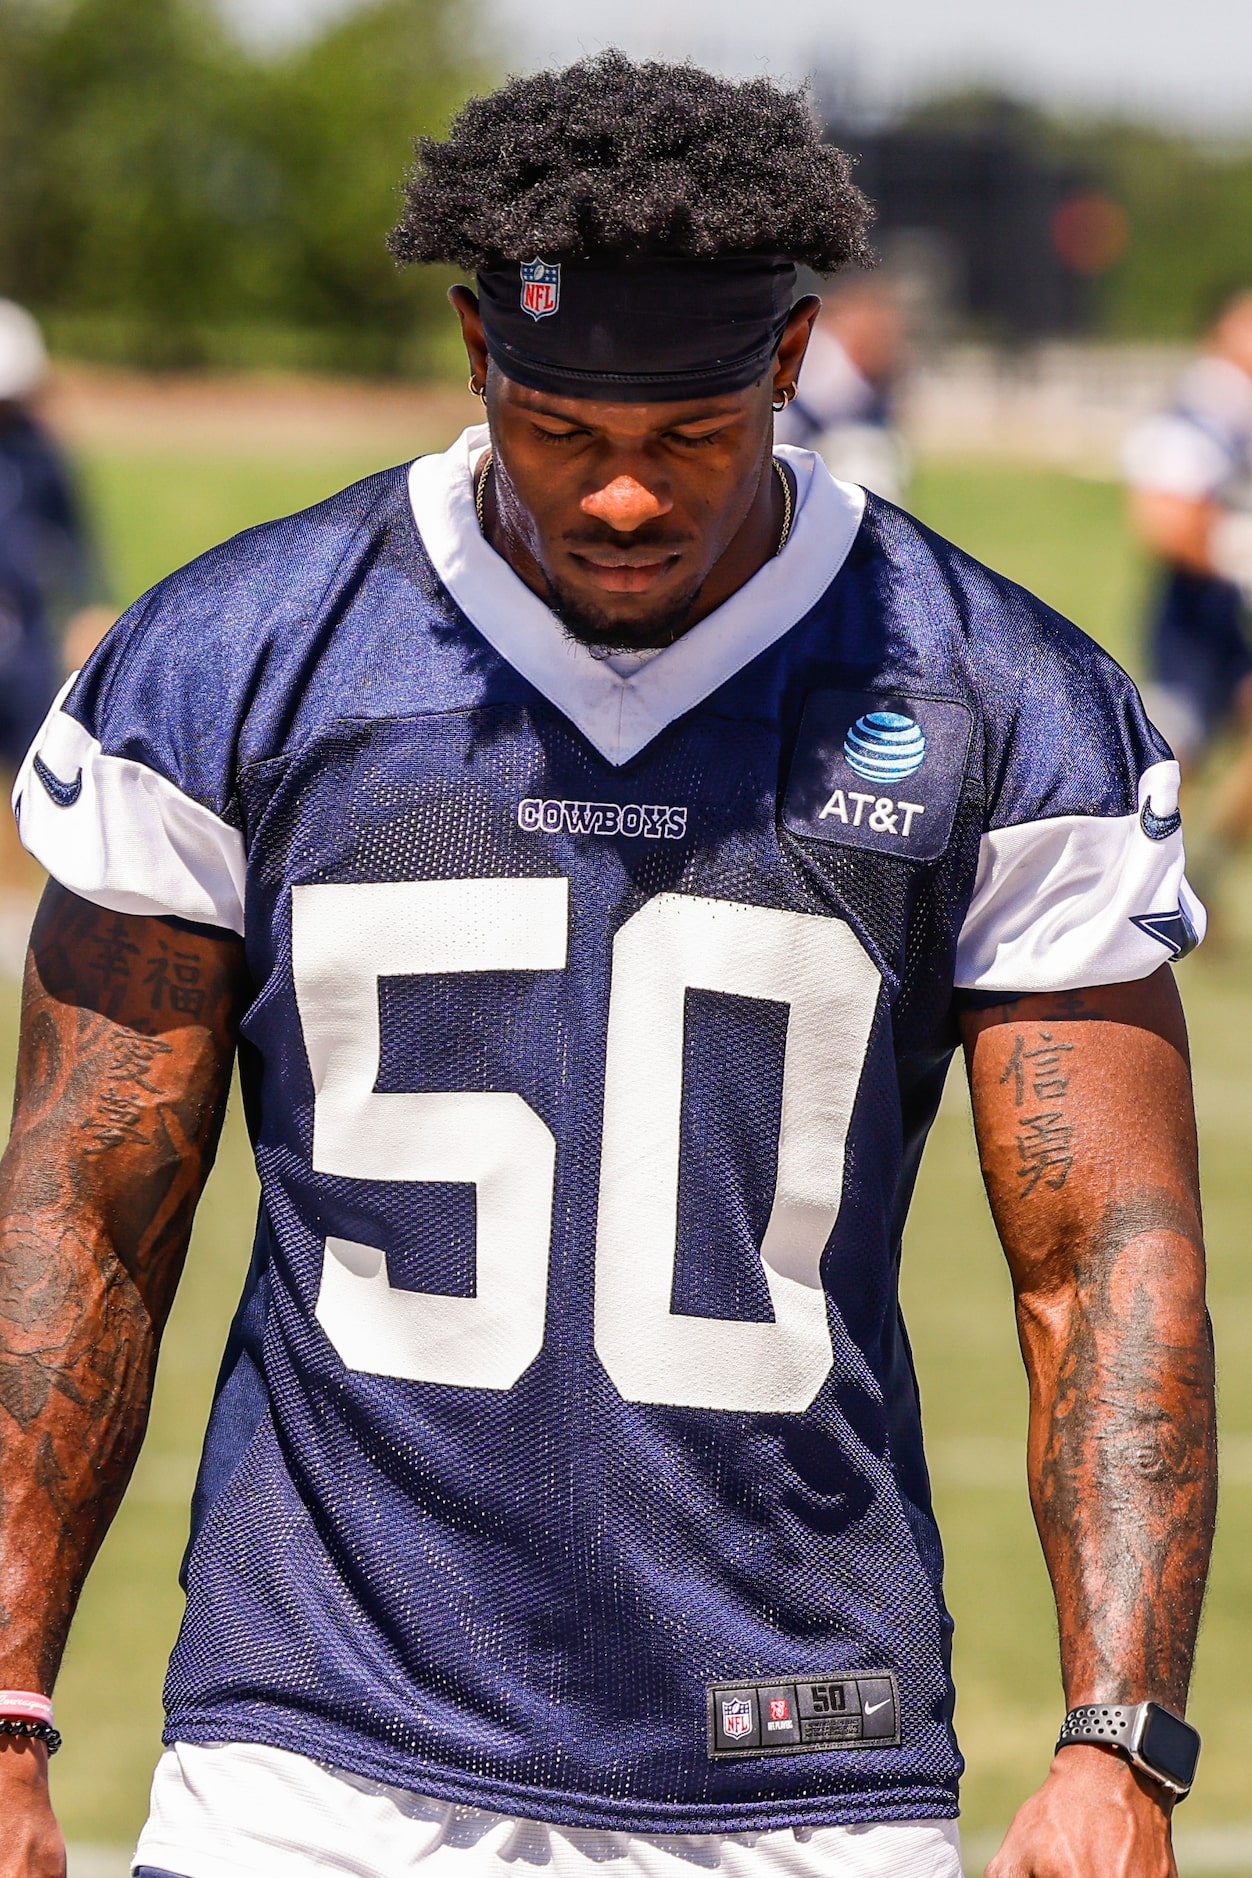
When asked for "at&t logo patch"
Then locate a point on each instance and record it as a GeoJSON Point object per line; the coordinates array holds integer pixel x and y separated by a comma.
{"type": "Point", "coordinates": [855, 749]}
{"type": "Point", "coordinates": [885, 746]}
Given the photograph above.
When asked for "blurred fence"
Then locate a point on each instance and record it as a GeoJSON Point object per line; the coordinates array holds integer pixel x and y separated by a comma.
{"type": "Point", "coordinates": [1066, 404]}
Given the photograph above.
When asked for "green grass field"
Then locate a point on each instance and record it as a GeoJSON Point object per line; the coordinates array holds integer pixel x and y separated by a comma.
{"type": "Point", "coordinates": [1062, 537]}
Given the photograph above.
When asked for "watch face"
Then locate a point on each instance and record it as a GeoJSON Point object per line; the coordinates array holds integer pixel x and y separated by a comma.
{"type": "Point", "coordinates": [1170, 1745]}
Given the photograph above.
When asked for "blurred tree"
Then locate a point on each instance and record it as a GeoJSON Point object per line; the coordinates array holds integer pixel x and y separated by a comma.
{"type": "Point", "coordinates": [342, 116]}
{"type": "Point", "coordinates": [138, 174]}
{"type": "Point", "coordinates": [1190, 216]}
{"type": "Point", "coordinates": [171, 199]}
{"type": "Point", "coordinates": [21, 141]}
{"type": "Point", "coordinates": [168, 197]}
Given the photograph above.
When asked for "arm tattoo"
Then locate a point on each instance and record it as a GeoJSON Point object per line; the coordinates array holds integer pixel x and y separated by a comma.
{"type": "Point", "coordinates": [1045, 1139]}
{"type": "Point", "coordinates": [1126, 1484]}
{"type": "Point", "coordinates": [1083, 1111]}
{"type": "Point", "coordinates": [127, 1042]}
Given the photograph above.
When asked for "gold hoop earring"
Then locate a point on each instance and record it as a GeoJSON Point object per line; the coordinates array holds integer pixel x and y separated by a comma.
{"type": "Point", "coordinates": [479, 391]}
{"type": "Point", "coordinates": [784, 397]}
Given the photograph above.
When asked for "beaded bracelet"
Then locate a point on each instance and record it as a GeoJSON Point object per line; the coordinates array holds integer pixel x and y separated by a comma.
{"type": "Point", "coordinates": [29, 1716]}
{"type": "Point", "coordinates": [31, 1731]}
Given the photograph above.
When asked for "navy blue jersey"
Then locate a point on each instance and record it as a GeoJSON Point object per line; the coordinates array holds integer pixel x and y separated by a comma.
{"type": "Point", "coordinates": [566, 1458]}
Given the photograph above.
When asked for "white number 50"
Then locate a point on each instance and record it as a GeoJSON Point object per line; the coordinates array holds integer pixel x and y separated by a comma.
{"type": "Point", "coordinates": [346, 938]}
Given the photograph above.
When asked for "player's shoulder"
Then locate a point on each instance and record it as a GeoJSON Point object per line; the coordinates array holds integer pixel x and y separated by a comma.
{"type": "Point", "coordinates": [1001, 639]}
{"type": "Point", "coordinates": [281, 570]}
{"type": "Point", "coordinates": [1061, 728]}
{"type": "Point", "coordinates": [254, 607]}
{"type": "Point", "coordinates": [205, 670]}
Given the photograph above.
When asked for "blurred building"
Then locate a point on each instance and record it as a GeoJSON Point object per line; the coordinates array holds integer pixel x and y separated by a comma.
{"type": "Point", "coordinates": [999, 236]}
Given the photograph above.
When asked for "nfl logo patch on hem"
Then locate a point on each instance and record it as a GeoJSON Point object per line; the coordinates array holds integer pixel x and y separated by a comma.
{"type": "Point", "coordinates": [541, 288]}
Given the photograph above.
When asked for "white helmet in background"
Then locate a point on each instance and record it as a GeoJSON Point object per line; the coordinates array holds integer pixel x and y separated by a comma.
{"type": "Point", "coordinates": [23, 360]}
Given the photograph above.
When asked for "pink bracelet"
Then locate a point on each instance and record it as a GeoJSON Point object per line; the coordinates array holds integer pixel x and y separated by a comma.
{"type": "Point", "coordinates": [25, 1705]}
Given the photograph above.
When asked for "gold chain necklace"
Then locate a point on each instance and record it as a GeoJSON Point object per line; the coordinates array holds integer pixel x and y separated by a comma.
{"type": "Point", "coordinates": [480, 492]}
{"type": "Point", "coordinates": [480, 497]}
{"type": "Point", "coordinates": [785, 480]}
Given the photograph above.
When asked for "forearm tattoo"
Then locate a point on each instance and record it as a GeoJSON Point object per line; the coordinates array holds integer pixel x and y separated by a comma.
{"type": "Point", "coordinates": [1125, 1489]}
{"type": "Point", "coordinates": [127, 1041]}
{"type": "Point", "coordinates": [1087, 1146]}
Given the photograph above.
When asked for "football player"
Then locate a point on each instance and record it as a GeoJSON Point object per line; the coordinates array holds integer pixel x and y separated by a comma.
{"type": "Point", "coordinates": [1190, 474]}
{"type": "Point", "coordinates": [48, 578]}
{"type": "Point", "coordinates": [597, 839]}
{"type": "Point", "coordinates": [846, 392]}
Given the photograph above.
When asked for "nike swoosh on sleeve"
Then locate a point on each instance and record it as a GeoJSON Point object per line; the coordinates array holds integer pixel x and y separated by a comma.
{"type": "Point", "coordinates": [1159, 827]}
{"type": "Point", "coordinates": [64, 794]}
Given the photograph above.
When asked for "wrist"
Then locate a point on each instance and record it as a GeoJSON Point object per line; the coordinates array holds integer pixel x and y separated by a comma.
{"type": "Point", "coordinates": [1106, 1775]}
{"type": "Point", "coordinates": [26, 1715]}
{"type": "Point", "coordinates": [1103, 1772]}
{"type": "Point", "coordinates": [23, 1768]}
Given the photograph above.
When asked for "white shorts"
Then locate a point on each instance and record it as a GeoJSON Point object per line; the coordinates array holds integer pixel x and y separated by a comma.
{"type": "Point", "coordinates": [239, 1811]}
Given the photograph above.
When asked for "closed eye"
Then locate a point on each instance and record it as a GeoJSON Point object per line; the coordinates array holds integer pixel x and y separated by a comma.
{"type": "Point", "coordinates": [693, 440]}
{"type": "Point", "coordinates": [557, 436]}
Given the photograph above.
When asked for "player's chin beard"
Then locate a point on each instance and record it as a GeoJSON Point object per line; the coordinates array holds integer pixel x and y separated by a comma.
{"type": "Point", "coordinates": [602, 633]}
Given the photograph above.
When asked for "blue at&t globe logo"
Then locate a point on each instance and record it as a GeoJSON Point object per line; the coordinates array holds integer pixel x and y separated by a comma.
{"type": "Point", "coordinates": [885, 747]}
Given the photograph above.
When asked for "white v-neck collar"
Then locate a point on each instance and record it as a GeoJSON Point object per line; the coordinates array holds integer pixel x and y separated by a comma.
{"type": "Point", "coordinates": [621, 715]}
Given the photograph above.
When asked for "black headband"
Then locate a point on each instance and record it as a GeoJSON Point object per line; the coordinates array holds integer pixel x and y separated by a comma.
{"type": "Point", "coordinates": [636, 332]}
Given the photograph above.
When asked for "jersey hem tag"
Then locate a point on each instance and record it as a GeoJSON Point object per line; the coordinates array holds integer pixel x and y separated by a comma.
{"type": "Point", "coordinates": [804, 1716]}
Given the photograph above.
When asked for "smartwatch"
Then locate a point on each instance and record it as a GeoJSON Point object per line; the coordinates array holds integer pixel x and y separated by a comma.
{"type": "Point", "coordinates": [1153, 1739]}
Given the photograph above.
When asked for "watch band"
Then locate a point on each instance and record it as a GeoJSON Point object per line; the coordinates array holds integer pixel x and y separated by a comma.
{"type": "Point", "coordinates": [1106, 1723]}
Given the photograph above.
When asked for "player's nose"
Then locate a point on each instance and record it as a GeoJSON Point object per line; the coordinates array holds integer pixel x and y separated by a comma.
{"type": "Point", "coordinates": [625, 504]}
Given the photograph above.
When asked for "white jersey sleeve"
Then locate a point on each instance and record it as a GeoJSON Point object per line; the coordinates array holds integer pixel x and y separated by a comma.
{"type": "Point", "coordinates": [120, 832]}
{"type": "Point", "coordinates": [1202, 445]}
{"type": "Point", "coordinates": [1080, 875]}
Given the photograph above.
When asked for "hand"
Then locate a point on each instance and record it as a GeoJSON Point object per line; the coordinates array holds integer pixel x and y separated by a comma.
{"type": "Point", "coordinates": [31, 1845]}
{"type": "Point", "coordinates": [1093, 1817]}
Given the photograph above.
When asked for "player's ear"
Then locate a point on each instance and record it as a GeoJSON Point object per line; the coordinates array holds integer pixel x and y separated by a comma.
{"type": "Point", "coordinates": [794, 344]}
{"type": "Point", "coordinates": [466, 304]}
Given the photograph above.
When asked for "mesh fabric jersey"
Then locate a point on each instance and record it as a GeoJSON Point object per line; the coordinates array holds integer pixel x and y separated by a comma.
{"type": "Point", "coordinates": [597, 1027]}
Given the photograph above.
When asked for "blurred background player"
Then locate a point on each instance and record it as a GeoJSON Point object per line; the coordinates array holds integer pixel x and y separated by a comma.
{"type": "Point", "coordinates": [44, 535]}
{"type": "Point", "coordinates": [843, 408]}
{"type": "Point", "coordinates": [1190, 474]}
{"type": "Point", "coordinates": [48, 580]}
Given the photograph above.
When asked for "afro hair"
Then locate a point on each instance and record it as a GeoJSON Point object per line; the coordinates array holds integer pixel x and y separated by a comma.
{"type": "Point", "coordinates": [610, 157]}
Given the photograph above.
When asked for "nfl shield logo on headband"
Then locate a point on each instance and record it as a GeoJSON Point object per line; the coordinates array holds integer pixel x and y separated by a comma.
{"type": "Point", "coordinates": [541, 288]}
